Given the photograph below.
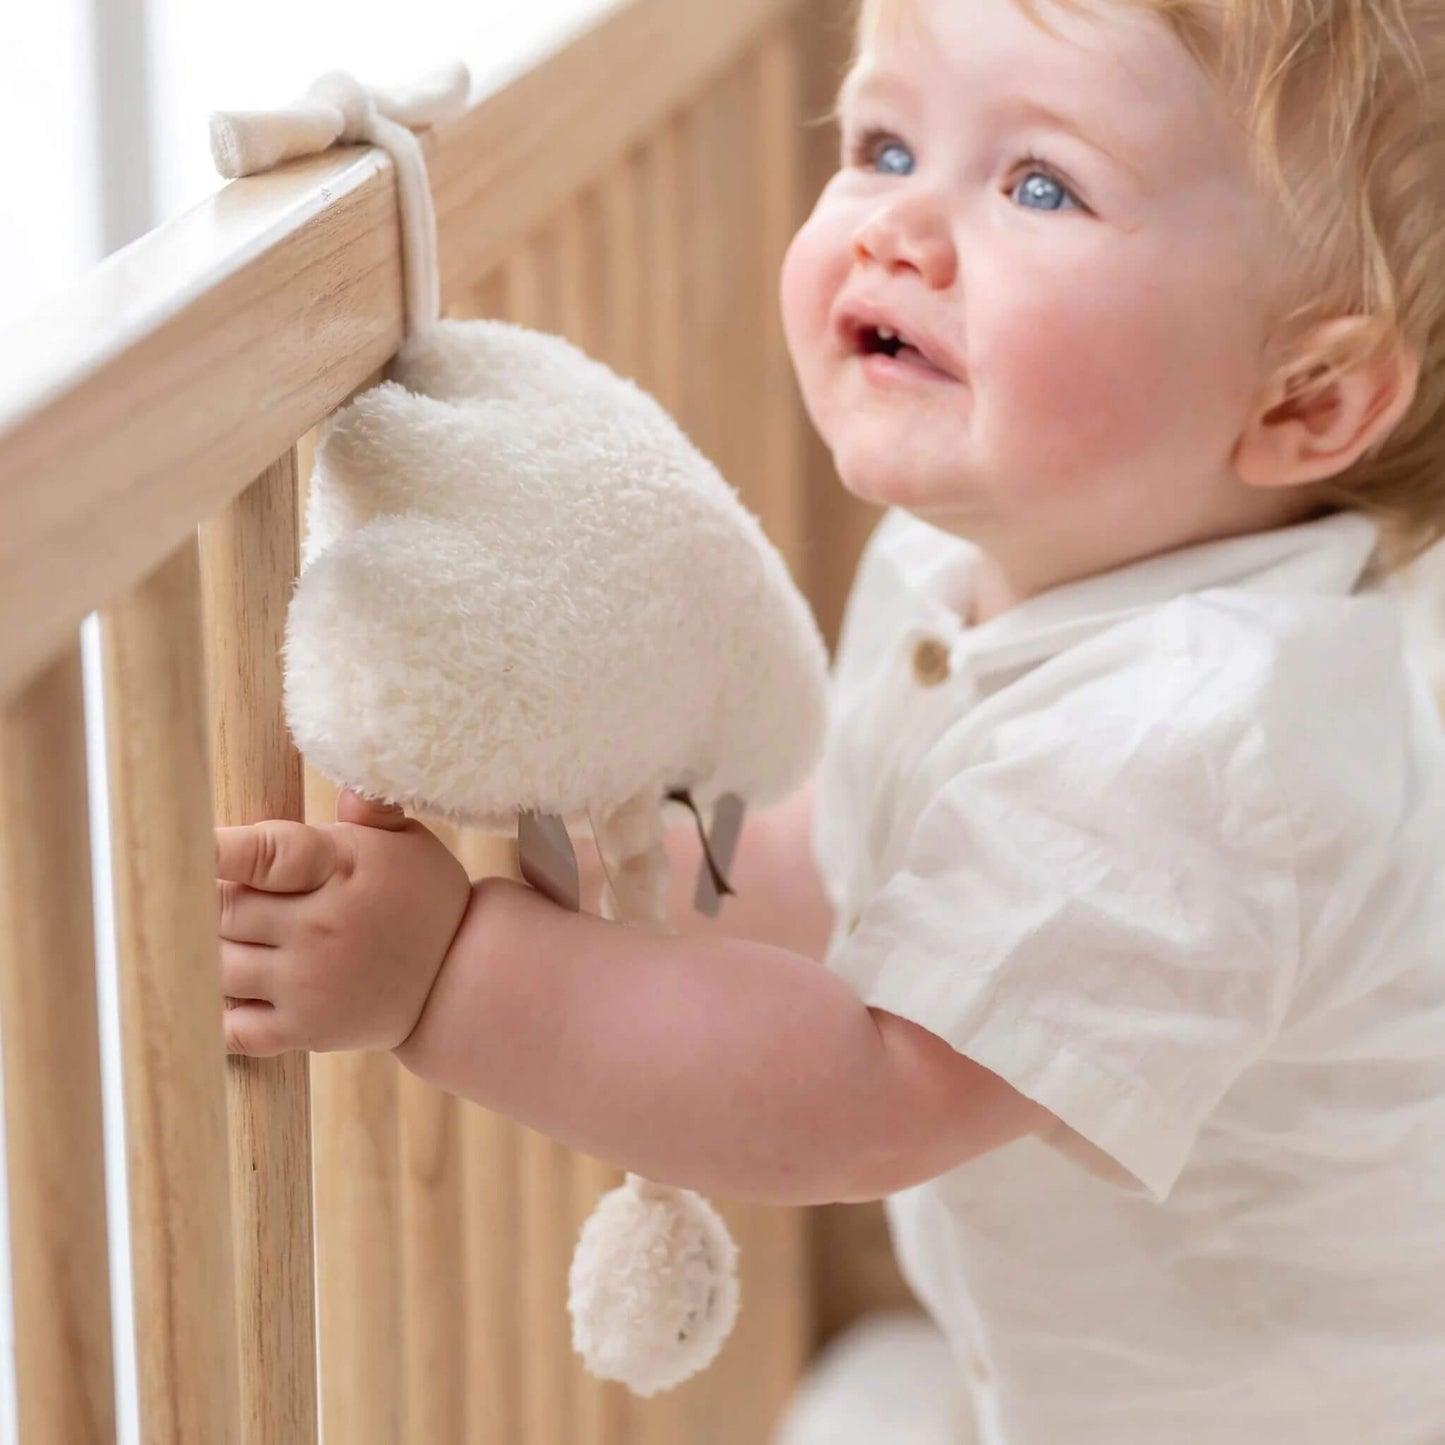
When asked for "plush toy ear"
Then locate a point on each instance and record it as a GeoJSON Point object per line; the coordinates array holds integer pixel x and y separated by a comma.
{"type": "Point", "coordinates": [548, 860]}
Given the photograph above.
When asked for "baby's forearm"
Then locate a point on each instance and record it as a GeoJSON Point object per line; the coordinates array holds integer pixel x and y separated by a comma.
{"type": "Point", "coordinates": [712, 1063]}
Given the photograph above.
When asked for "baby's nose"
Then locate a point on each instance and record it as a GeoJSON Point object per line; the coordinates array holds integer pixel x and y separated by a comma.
{"type": "Point", "coordinates": [912, 233]}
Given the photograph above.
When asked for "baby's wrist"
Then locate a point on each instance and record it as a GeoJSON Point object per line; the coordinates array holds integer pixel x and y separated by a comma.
{"type": "Point", "coordinates": [414, 1043]}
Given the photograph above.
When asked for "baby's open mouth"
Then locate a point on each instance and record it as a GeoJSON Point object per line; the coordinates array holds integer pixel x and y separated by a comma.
{"type": "Point", "coordinates": [890, 343]}
{"type": "Point", "coordinates": [883, 341]}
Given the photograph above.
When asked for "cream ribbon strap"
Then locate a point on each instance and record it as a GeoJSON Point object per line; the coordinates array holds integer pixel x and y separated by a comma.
{"type": "Point", "coordinates": [338, 109]}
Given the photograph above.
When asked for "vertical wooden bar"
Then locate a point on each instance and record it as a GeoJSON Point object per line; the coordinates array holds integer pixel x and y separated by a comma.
{"type": "Point", "coordinates": [433, 1317]}
{"type": "Point", "coordinates": [54, 1128]}
{"type": "Point", "coordinates": [777, 162]}
{"type": "Point", "coordinates": [249, 557]}
{"type": "Point", "coordinates": [356, 1172]}
{"type": "Point", "coordinates": [492, 1263]}
{"type": "Point", "coordinates": [661, 255]}
{"type": "Point", "coordinates": [171, 1005]}
{"type": "Point", "coordinates": [359, 1247]}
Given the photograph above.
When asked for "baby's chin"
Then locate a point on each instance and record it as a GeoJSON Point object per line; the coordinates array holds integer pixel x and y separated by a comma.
{"type": "Point", "coordinates": [917, 484]}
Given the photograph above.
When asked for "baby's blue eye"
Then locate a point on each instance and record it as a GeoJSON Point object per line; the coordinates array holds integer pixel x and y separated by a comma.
{"type": "Point", "coordinates": [1041, 192]}
{"type": "Point", "coordinates": [876, 149]}
{"type": "Point", "coordinates": [901, 165]}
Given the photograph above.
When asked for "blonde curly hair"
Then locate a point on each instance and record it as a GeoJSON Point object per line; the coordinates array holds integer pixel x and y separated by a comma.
{"type": "Point", "coordinates": [1345, 102]}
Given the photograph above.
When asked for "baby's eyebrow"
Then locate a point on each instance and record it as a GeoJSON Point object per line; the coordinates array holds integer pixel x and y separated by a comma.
{"type": "Point", "coordinates": [862, 81]}
{"type": "Point", "coordinates": [1023, 106]}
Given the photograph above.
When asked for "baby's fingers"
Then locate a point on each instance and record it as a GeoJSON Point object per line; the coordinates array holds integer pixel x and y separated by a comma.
{"type": "Point", "coordinates": [276, 856]}
{"type": "Point", "coordinates": [256, 1029]}
{"type": "Point", "coordinates": [248, 971]}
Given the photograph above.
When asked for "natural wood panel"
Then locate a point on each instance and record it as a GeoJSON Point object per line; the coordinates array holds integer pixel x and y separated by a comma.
{"type": "Point", "coordinates": [54, 1131]}
{"type": "Point", "coordinates": [356, 1163]}
{"type": "Point", "coordinates": [660, 221]}
{"type": "Point", "coordinates": [249, 558]}
{"type": "Point", "coordinates": [777, 80]}
{"type": "Point", "coordinates": [492, 1265]}
{"type": "Point", "coordinates": [433, 1310]}
{"type": "Point", "coordinates": [156, 391]}
{"type": "Point", "coordinates": [853, 1267]}
{"type": "Point", "coordinates": [171, 1006]}
{"type": "Point", "coordinates": [358, 1246]}
{"type": "Point", "coordinates": [432, 1223]}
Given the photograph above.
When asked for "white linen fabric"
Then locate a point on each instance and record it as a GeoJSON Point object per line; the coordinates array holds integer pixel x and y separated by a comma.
{"type": "Point", "coordinates": [1163, 849]}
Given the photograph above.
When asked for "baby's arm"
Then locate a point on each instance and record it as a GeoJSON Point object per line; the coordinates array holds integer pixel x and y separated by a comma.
{"type": "Point", "coordinates": [716, 1063]}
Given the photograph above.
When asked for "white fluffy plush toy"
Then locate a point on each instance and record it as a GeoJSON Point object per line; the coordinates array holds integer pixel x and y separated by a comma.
{"type": "Point", "coordinates": [529, 600]}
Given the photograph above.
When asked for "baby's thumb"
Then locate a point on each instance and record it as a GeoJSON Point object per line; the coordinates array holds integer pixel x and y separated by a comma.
{"type": "Point", "coordinates": [352, 808]}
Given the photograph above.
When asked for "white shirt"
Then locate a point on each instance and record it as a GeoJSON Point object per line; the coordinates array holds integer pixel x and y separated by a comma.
{"type": "Point", "coordinates": [1163, 849]}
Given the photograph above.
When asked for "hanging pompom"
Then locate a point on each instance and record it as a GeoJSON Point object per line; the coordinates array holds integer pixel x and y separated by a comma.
{"type": "Point", "coordinates": [654, 1289]}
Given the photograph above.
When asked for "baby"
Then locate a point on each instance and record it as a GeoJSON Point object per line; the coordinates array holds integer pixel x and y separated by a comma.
{"type": "Point", "coordinates": [1123, 858]}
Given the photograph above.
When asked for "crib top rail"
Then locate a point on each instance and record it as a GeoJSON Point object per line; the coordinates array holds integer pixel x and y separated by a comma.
{"type": "Point", "coordinates": [175, 372]}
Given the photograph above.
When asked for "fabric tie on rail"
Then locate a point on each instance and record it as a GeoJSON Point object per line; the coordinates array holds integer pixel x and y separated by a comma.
{"type": "Point", "coordinates": [338, 109]}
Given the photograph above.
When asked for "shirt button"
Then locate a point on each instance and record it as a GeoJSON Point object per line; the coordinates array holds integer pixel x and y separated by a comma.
{"type": "Point", "coordinates": [930, 662]}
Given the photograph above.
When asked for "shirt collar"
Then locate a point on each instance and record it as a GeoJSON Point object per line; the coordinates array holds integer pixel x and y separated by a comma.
{"type": "Point", "coordinates": [1330, 556]}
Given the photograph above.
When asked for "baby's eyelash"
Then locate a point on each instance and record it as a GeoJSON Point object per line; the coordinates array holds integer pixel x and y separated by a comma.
{"type": "Point", "coordinates": [1032, 162]}
{"type": "Point", "coordinates": [862, 146]}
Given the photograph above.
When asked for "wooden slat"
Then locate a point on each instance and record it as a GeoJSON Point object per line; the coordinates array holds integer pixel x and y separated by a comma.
{"type": "Point", "coordinates": [358, 1244]}
{"type": "Point", "coordinates": [356, 1169]}
{"type": "Point", "coordinates": [54, 1131]}
{"type": "Point", "coordinates": [782, 208]}
{"type": "Point", "coordinates": [433, 1314]}
{"type": "Point", "coordinates": [492, 1266]}
{"type": "Point", "coordinates": [249, 557]}
{"type": "Point", "coordinates": [660, 218]}
{"type": "Point", "coordinates": [171, 1005]}
{"type": "Point", "coordinates": [153, 394]}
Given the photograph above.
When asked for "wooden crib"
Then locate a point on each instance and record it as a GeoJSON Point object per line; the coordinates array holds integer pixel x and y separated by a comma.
{"type": "Point", "coordinates": [325, 1242]}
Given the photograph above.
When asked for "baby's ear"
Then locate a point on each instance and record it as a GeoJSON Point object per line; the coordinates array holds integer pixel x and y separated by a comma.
{"type": "Point", "coordinates": [1343, 389]}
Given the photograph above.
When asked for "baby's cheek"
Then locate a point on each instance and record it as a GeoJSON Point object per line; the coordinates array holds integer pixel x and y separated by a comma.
{"type": "Point", "coordinates": [811, 277]}
{"type": "Point", "coordinates": [1086, 388]}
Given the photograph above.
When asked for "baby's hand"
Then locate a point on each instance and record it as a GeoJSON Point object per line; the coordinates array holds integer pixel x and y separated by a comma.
{"type": "Point", "coordinates": [331, 937]}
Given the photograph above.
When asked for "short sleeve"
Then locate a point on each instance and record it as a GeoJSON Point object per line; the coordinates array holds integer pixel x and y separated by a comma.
{"type": "Point", "coordinates": [1103, 910]}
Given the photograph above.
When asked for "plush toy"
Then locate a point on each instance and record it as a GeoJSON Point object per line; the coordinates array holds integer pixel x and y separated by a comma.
{"type": "Point", "coordinates": [529, 603]}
